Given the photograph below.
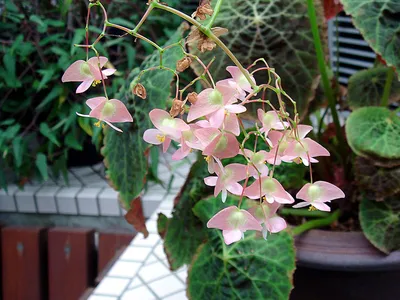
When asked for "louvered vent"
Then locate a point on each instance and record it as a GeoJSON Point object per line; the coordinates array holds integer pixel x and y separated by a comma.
{"type": "Point", "coordinates": [348, 51]}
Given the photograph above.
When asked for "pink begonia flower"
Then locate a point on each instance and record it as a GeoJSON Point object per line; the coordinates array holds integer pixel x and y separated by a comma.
{"type": "Point", "coordinates": [212, 100]}
{"type": "Point", "coordinates": [189, 141]}
{"type": "Point", "coordinates": [168, 128]}
{"type": "Point", "coordinates": [219, 144]}
{"type": "Point", "coordinates": [279, 142]}
{"type": "Point", "coordinates": [108, 111]}
{"type": "Point", "coordinates": [305, 149]}
{"type": "Point", "coordinates": [239, 82]}
{"type": "Point", "coordinates": [87, 72]}
{"type": "Point", "coordinates": [270, 120]}
{"type": "Point", "coordinates": [226, 118]}
{"type": "Point", "coordinates": [317, 193]}
{"type": "Point", "coordinates": [270, 188]}
{"type": "Point", "coordinates": [266, 215]}
{"type": "Point", "coordinates": [227, 180]}
{"type": "Point", "coordinates": [258, 159]}
{"type": "Point", "coordinates": [233, 222]}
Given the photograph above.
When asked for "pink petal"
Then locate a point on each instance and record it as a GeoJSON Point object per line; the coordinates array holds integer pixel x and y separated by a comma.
{"type": "Point", "coordinates": [231, 236]}
{"type": "Point", "coordinates": [211, 180]}
{"type": "Point", "coordinates": [206, 135]}
{"type": "Point", "coordinates": [181, 153]}
{"type": "Point", "coordinates": [315, 149]}
{"type": "Point", "coordinates": [251, 222]}
{"type": "Point", "coordinates": [321, 206]}
{"type": "Point", "coordinates": [239, 171]}
{"type": "Point", "coordinates": [276, 224]}
{"type": "Point", "coordinates": [74, 74]}
{"type": "Point", "coordinates": [301, 204]}
{"type": "Point", "coordinates": [240, 79]}
{"type": "Point", "coordinates": [235, 108]}
{"type": "Point", "coordinates": [217, 118]}
{"type": "Point", "coordinates": [220, 219]}
{"type": "Point", "coordinates": [223, 146]}
{"type": "Point", "coordinates": [157, 116]}
{"type": "Point", "coordinates": [253, 191]}
{"type": "Point", "coordinates": [84, 86]}
{"type": "Point", "coordinates": [218, 187]}
{"type": "Point", "coordinates": [202, 107]}
{"type": "Point", "coordinates": [303, 130]}
{"type": "Point", "coordinates": [150, 136]}
{"type": "Point", "coordinates": [228, 92]}
{"type": "Point", "coordinates": [94, 102]}
{"type": "Point", "coordinates": [234, 188]}
{"type": "Point", "coordinates": [113, 127]}
{"type": "Point", "coordinates": [231, 124]}
{"type": "Point", "coordinates": [330, 191]}
{"type": "Point", "coordinates": [94, 61]}
{"type": "Point", "coordinates": [166, 144]}
{"type": "Point", "coordinates": [109, 72]}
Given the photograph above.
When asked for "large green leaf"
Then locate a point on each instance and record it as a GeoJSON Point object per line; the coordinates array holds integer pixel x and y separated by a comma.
{"type": "Point", "coordinates": [380, 222]}
{"type": "Point", "coordinates": [382, 182]}
{"type": "Point", "coordinates": [124, 153]}
{"type": "Point", "coordinates": [183, 233]}
{"type": "Point", "coordinates": [249, 269]}
{"type": "Point", "coordinates": [277, 30]}
{"type": "Point", "coordinates": [378, 22]}
{"type": "Point", "coordinates": [374, 132]}
{"type": "Point", "coordinates": [366, 88]}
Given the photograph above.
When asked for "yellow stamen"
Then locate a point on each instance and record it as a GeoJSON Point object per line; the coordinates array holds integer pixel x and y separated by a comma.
{"type": "Point", "coordinates": [103, 125]}
{"type": "Point", "coordinates": [160, 138]}
{"type": "Point", "coordinates": [96, 82]}
{"type": "Point", "coordinates": [97, 124]}
{"type": "Point", "coordinates": [312, 208]}
{"type": "Point", "coordinates": [207, 158]}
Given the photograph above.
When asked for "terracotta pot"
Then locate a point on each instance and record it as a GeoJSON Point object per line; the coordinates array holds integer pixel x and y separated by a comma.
{"type": "Point", "coordinates": [344, 265]}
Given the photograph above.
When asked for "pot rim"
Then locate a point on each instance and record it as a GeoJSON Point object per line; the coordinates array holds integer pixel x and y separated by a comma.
{"type": "Point", "coordinates": [342, 251]}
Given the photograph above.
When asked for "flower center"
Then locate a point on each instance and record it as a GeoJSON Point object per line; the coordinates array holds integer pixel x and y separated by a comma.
{"type": "Point", "coordinates": [314, 192]}
{"type": "Point", "coordinates": [268, 119]}
{"type": "Point", "coordinates": [85, 70]}
{"type": "Point", "coordinates": [242, 80]}
{"type": "Point", "coordinates": [168, 122]}
{"type": "Point", "coordinates": [226, 176]}
{"type": "Point", "coordinates": [300, 148]}
{"type": "Point", "coordinates": [215, 97]}
{"type": "Point", "coordinates": [221, 144]}
{"type": "Point", "coordinates": [207, 158]}
{"type": "Point", "coordinates": [257, 159]}
{"type": "Point", "coordinates": [260, 212]}
{"type": "Point", "coordinates": [160, 138]}
{"type": "Point", "coordinates": [108, 110]}
{"type": "Point", "coordinates": [188, 135]}
{"type": "Point", "coordinates": [269, 185]}
{"type": "Point", "coordinates": [237, 219]}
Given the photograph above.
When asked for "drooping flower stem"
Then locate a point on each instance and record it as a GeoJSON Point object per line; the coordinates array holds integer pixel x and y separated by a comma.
{"type": "Point", "coordinates": [217, 8]}
{"type": "Point", "coordinates": [324, 74]}
{"type": "Point", "coordinates": [388, 85]}
{"type": "Point", "coordinates": [211, 35]}
{"type": "Point", "coordinates": [316, 223]}
{"type": "Point", "coordinates": [303, 213]}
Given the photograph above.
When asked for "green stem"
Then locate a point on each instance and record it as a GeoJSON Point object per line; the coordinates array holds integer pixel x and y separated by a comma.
{"type": "Point", "coordinates": [217, 8]}
{"type": "Point", "coordinates": [324, 74]}
{"type": "Point", "coordinates": [208, 32]}
{"type": "Point", "coordinates": [388, 85]}
{"type": "Point", "coordinates": [303, 213]}
{"type": "Point", "coordinates": [316, 223]}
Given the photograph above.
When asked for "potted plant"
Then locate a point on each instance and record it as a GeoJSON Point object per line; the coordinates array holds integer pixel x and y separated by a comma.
{"type": "Point", "coordinates": [258, 169]}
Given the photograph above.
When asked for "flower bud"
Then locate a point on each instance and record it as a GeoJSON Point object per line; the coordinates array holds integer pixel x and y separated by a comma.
{"type": "Point", "coordinates": [140, 91]}
{"type": "Point", "coordinates": [177, 108]}
{"type": "Point", "coordinates": [183, 64]}
{"type": "Point", "coordinates": [192, 97]}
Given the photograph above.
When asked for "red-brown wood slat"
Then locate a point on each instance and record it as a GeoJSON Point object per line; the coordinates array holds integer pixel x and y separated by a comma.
{"type": "Point", "coordinates": [109, 245]}
{"type": "Point", "coordinates": [24, 263]}
{"type": "Point", "coordinates": [72, 257]}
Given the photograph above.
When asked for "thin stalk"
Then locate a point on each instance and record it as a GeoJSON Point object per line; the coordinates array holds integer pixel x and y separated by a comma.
{"type": "Point", "coordinates": [388, 85]}
{"type": "Point", "coordinates": [316, 223]}
{"type": "Point", "coordinates": [212, 36]}
{"type": "Point", "coordinates": [217, 8]}
{"type": "Point", "coordinates": [324, 74]}
{"type": "Point", "coordinates": [303, 213]}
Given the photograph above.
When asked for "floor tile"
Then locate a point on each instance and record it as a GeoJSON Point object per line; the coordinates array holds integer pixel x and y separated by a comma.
{"type": "Point", "coordinates": [152, 226]}
{"type": "Point", "coordinates": [154, 271]}
{"type": "Point", "coordinates": [132, 253]}
{"type": "Point", "coordinates": [66, 202]}
{"type": "Point", "coordinates": [177, 296]}
{"type": "Point", "coordinates": [151, 259]}
{"type": "Point", "coordinates": [140, 293]}
{"type": "Point", "coordinates": [111, 286]}
{"type": "Point", "coordinates": [150, 241]}
{"type": "Point", "coordinates": [108, 202]}
{"type": "Point", "coordinates": [166, 286]}
{"type": "Point", "coordinates": [159, 252]}
{"type": "Point", "coordinates": [124, 269]}
{"type": "Point", "coordinates": [95, 297]}
{"type": "Point", "coordinates": [135, 283]}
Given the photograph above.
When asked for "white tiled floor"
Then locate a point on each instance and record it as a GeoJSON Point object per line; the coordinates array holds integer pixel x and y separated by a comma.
{"type": "Point", "coordinates": [153, 279]}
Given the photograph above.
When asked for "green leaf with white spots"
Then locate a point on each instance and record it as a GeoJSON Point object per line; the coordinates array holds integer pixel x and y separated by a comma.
{"type": "Point", "coordinates": [374, 132]}
{"type": "Point", "coordinates": [276, 30]}
{"type": "Point", "coordinates": [366, 88]}
{"type": "Point", "coordinates": [249, 269]}
{"type": "Point", "coordinates": [380, 222]}
{"type": "Point", "coordinates": [378, 22]}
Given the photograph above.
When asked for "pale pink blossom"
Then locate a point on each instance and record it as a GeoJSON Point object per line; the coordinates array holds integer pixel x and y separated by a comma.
{"type": "Point", "coordinates": [168, 128]}
{"type": "Point", "coordinates": [317, 193]}
{"type": "Point", "coordinates": [188, 141]}
{"type": "Point", "coordinates": [270, 120]}
{"type": "Point", "coordinates": [108, 111]}
{"type": "Point", "coordinates": [87, 72]}
{"type": "Point", "coordinates": [239, 82]}
{"type": "Point", "coordinates": [219, 144]}
{"type": "Point", "coordinates": [279, 142]}
{"type": "Point", "coordinates": [266, 215]}
{"type": "Point", "coordinates": [211, 100]}
{"type": "Point", "coordinates": [233, 222]}
{"type": "Point", "coordinates": [269, 188]}
{"type": "Point", "coordinates": [257, 159]}
{"type": "Point", "coordinates": [227, 180]}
